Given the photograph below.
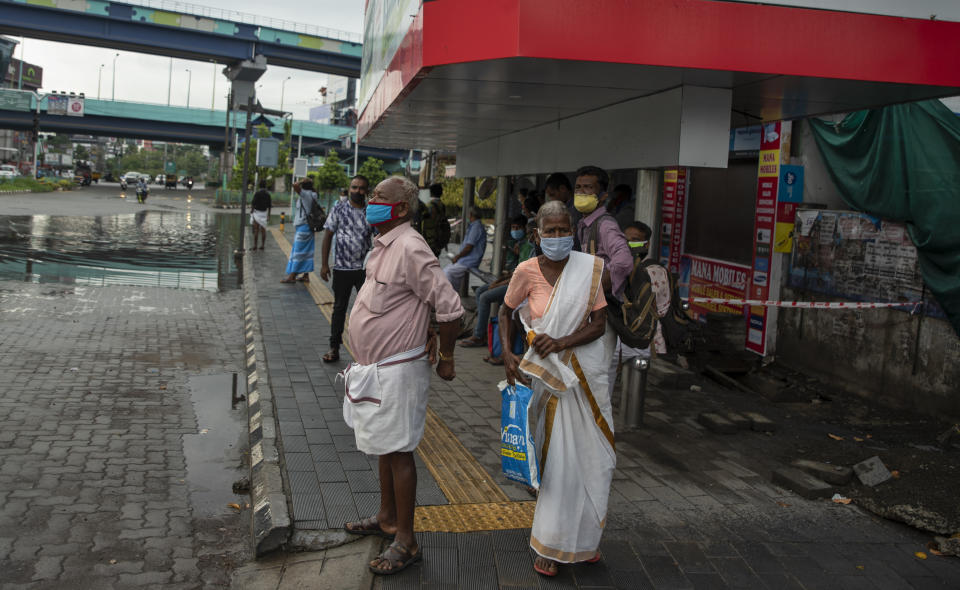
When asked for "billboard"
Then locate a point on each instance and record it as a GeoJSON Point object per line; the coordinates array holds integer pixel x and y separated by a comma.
{"type": "Point", "coordinates": [385, 24]}
{"type": "Point", "coordinates": [31, 76]}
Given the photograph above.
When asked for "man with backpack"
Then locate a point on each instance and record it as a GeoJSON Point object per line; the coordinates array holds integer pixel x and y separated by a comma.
{"type": "Point", "coordinates": [434, 224]}
{"type": "Point", "coordinates": [309, 219]}
{"type": "Point", "coordinates": [598, 231]}
{"type": "Point", "coordinates": [647, 300]}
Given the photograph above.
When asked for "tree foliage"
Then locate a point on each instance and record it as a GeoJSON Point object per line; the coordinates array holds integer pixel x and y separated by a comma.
{"type": "Point", "coordinates": [331, 176]}
{"type": "Point", "coordinates": [372, 168]}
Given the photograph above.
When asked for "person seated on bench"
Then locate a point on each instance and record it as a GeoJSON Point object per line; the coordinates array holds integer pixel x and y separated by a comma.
{"type": "Point", "coordinates": [474, 245]}
{"type": "Point", "coordinates": [520, 246]}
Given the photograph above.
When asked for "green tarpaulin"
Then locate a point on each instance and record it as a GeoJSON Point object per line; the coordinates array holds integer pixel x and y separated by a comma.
{"type": "Point", "coordinates": [902, 163]}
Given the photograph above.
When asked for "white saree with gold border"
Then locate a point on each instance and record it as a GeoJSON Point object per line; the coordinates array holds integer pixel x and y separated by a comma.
{"type": "Point", "coordinates": [574, 419]}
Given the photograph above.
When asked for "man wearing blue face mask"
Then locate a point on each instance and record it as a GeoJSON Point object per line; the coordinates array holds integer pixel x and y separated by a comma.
{"type": "Point", "coordinates": [474, 245]}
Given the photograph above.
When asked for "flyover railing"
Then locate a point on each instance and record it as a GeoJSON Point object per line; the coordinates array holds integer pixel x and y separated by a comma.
{"type": "Point", "coordinates": [250, 19]}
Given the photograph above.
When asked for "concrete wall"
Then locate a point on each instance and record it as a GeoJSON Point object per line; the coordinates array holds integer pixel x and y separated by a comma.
{"type": "Point", "coordinates": [874, 353]}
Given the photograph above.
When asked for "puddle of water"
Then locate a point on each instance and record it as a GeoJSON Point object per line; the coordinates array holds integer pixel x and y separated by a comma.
{"type": "Point", "coordinates": [148, 248]}
{"type": "Point", "coordinates": [215, 454]}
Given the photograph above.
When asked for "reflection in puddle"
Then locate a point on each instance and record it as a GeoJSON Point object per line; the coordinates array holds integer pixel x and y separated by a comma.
{"type": "Point", "coordinates": [215, 454]}
{"type": "Point", "coordinates": [147, 248]}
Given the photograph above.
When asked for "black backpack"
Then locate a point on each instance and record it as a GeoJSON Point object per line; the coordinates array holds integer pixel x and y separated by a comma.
{"type": "Point", "coordinates": [635, 319]}
{"type": "Point", "coordinates": [316, 217]}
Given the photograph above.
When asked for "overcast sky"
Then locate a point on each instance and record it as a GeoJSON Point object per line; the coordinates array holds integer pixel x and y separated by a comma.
{"type": "Point", "coordinates": [143, 78]}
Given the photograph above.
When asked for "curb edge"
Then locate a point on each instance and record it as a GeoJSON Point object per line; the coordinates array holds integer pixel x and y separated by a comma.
{"type": "Point", "coordinates": [271, 526]}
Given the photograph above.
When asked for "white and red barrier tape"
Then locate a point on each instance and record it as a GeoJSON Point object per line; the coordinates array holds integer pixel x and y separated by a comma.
{"type": "Point", "coordinates": [806, 304]}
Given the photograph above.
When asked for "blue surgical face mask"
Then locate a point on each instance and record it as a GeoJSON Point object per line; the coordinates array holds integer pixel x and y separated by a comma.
{"type": "Point", "coordinates": [556, 249]}
{"type": "Point", "coordinates": [378, 213]}
{"type": "Point", "coordinates": [517, 234]}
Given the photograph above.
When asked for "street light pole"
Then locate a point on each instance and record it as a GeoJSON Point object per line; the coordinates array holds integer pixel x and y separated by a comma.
{"type": "Point", "coordinates": [99, 77]}
{"type": "Point", "coordinates": [113, 88]}
{"type": "Point", "coordinates": [282, 89]}
{"type": "Point", "coordinates": [213, 93]}
{"type": "Point", "coordinates": [169, 80]}
{"type": "Point", "coordinates": [189, 82]}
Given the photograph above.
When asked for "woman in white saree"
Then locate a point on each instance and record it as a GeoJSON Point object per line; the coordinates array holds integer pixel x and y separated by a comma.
{"type": "Point", "coordinates": [561, 304]}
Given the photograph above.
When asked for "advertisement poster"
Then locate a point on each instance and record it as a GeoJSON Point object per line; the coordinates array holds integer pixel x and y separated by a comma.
{"type": "Point", "coordinates": [679, 215]}
{"type": "Point", "coordinates": [74, 107]}
{"type": "Point", "coordinates": [772, 145]}
{"type": "Point", "coordinates": [672, 217]}
{"type": "Point", "coordinates": [666, 214]}
{"type": "Point", "coordinates": [716, 278]}
{"type": "Point", "coordinates": [57, 105]}
{"type": "Point", "coordinates": [789, 197]}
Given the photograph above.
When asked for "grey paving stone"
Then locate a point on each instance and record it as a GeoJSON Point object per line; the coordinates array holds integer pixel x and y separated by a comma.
{"type": "Point", "coordinates": [515, 568]}
{"type": "Point", "coordinates": [664, 572]}
{"type": "Point", "coordinates": [475, 550]}
{"type": "Point", "coordinates": [331, 471]}
{"type": "Point", "coordinates": [298, 461]}
{"type": "Point", "coordinates": [690, 557]}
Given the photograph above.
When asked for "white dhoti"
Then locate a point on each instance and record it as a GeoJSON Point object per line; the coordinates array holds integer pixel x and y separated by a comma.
{"type": "Point", "coordinates": [258, 217]}
{"type": "Point", "coordinates": [575, 420]}
{"type": "Point", "coordinates": [386, 403]}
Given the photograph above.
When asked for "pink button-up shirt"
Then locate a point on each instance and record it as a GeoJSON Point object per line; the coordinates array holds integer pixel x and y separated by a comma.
{"type": "Point", "coordinates": [391, 313]}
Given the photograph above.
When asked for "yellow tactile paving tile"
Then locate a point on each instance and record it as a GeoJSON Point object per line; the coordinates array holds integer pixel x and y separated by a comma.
{"type": "Point", "coordinates": [466, 518]}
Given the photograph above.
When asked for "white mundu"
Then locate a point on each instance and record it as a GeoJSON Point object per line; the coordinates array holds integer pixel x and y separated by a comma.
{"type": "Point", "coordinates": [574, 420]}
{"type": "Point", "coordinates": [386, 403]}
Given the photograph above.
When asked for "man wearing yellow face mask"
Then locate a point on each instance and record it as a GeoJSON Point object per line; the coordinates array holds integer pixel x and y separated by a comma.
{"type": "Point", "coordinates": [598, 231]}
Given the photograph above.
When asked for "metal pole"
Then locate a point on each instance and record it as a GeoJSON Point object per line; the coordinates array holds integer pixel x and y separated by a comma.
{"type": "Point", "coordinates": [468, 189]}
{"type": "Point", "coordinates": [99, 77]}
{"type": "Point", "coordinates": [169, 80]}
{"type": "Point", "coordinates": [20, 74]}
{"type": "Point", "coordinates": [299, 150]}
{"type": "Point", "coordinates": [246, 169]}
{"type": "Point", "coordinates": [113, 87]}
{"type": "Point", "coordinates": [213, 93]}
{"type": "Point", "coordinates": [283, 87]}
{"type": "Point", "coordinates": [500, 225]}
{"type": "Point", "coordinates": [189, 83]}
{"type": "Point", "coordinates": [226, 143]}
{"type": "Point", "coordinates": [356, 150]}
{"type": "Point", "coordinates": [36, 138]}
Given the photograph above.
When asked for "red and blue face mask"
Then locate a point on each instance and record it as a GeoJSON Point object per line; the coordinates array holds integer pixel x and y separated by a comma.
{"type": "Point", "coordinates": [379, 213]}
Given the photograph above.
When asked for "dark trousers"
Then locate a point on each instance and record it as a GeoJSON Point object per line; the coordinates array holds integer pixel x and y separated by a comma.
{"type": "Point", "coordinates": [344, 281]}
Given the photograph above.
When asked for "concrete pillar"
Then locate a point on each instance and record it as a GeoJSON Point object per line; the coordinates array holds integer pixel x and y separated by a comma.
{"type": "Point", "coordinates": [469, 184]}
{"type": "Point", "coordinates": [648, 203]}
{"type": "Point", "coordinates": [501, 224]}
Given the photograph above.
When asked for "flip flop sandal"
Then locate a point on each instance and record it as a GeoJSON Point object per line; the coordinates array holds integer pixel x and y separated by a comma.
{"type": "Point", "coordinates": [544, 572]}
{"type": "Point", "coordinates": [367, 526]}
{"type": "Point", "coordinates": [288, 281]}
{"type": "Point", "coordinates": [400, 559]}
{"type": "Point", "coordinates": [304, 279]}
{"type": "Point", "coordinates": [472, 342]}
{"type": "Point", "coordinates": [594, 559]}
{"type": "Point", "coordinates": [496, 361]}
{"type": "Point", "coordinates": [331, 357]}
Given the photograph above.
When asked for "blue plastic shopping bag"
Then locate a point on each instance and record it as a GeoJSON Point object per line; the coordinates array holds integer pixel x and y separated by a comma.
{"type": "Point", "coordinates": [518, 455]}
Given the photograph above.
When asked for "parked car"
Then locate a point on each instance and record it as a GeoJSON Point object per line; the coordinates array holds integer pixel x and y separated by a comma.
{"type": "Point", "coordinates": [8, 171]}
{"type": "Point", "coordinates": [133, 177]}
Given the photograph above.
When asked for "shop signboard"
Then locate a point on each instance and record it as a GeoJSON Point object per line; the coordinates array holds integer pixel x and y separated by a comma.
{"type": "Point", "coordinates": [716, 279]}
{"type": "Point", "coordinates": [672, 215]}
{"type": "Point", "coordinates": [774, 144]}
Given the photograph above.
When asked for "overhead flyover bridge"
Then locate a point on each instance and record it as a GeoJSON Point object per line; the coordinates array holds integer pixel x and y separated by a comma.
{"type": "Point", "coordinates": [186, 31]}
{"type": "Point", "coordinates": [112, 118]}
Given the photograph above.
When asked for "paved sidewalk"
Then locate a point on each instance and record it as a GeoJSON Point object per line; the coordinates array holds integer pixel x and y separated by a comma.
{"type": "Point", "coordinates": [98, 427]}
{"type": "Point", "coordinates": [688, 508]}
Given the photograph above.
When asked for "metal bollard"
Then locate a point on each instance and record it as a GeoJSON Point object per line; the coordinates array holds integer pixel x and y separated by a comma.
{"type": "Point", "coordinates": [283, 219]}
{"type": "Point", "coordinates": [633, 390]}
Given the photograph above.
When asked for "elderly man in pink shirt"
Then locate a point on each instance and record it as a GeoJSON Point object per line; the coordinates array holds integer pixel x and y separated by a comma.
{"type": "Point", "coordinates": [394, 348]}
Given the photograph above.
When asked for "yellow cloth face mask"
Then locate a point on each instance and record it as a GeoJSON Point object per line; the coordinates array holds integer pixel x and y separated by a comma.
{"type": "Point", "coordinates": [585, 203]}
